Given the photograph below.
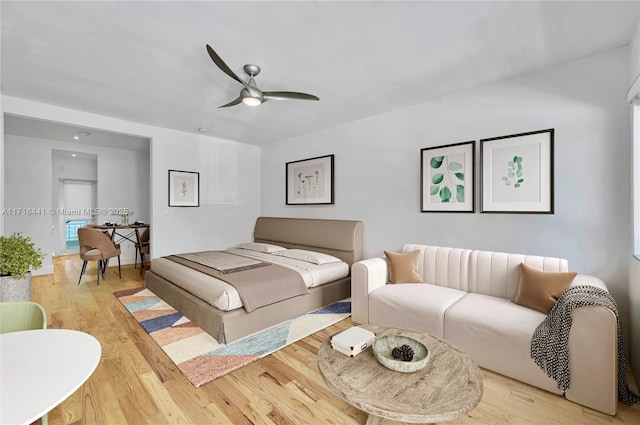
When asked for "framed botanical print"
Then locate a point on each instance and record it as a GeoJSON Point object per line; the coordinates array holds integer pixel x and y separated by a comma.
{"type": "Point", "coordinates": [447, 178]}
{"type": "Point", "coordinates": [517, 173]}
{"type": "Point", "coordinates": [184, 188]}
{"type": "Point", "coordinates": [310, 181]}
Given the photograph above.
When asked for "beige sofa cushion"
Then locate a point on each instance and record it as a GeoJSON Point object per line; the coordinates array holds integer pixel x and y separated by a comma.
{"type": "Point", "coordinates": [497, 333]}
{"type": "Point", "coordinates": [539, 289]}
{"type": "Point", "coordinates": [443, 266]}
{"type": "Point", "coordinates": [403, 267]}
{"type": "Point", "coordinates": [498, 273]}
{"type": "Point", "coordinates": [415, 306]}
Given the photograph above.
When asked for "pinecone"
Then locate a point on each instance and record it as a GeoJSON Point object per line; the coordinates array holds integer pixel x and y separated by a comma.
{"type": "Point", "coordinates": [404, 353]}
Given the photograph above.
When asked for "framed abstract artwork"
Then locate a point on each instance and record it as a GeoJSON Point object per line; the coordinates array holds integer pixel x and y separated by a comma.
{"type": "Point", "coordinates": [184, 188]}
{"type": "Point", "coordinates": [517, 173]}
{"type": "Point", "coordinates": [447, 178]}
{"type": "Point", "coordinates": [310, 181]}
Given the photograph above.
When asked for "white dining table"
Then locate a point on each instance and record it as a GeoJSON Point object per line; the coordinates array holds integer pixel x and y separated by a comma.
{"type": "Point", "coordinates": [41, 368]}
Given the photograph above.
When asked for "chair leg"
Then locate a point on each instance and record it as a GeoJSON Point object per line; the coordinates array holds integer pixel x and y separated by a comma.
{"type": "Point", "coordinates": [84, 268]}
{"type": "Point", "coordinates": [105, 266]}
{"type": "Point", "coordinates": [119, 272]}
{"type": "Point", "coordinates": [99, 270]}
{"type": "Point", "coordinates": [143, 264]}
{"type": "Point", "coordinates": [135, 259]}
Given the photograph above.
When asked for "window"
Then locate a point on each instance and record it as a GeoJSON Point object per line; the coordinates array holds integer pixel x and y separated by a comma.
{"type": "Point", "coordinates": [72, 233]}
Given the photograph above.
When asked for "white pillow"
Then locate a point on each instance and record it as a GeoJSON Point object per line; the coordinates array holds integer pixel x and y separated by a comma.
{"type": "Point", "coordinates": [308, 256]}
{"type": "Point", "coordinates": [260, 247]}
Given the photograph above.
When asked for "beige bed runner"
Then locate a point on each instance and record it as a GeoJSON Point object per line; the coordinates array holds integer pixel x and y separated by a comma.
{"type": "Point", "coordinates": [258, 283]}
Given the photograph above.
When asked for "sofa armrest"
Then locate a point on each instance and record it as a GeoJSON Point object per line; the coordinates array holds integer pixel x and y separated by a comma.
{"type": "Point", "coordinates": [583, 279]}
{"type": "Point", "coordinates": [366, 275]}
{"type": "Point", "coordinates": [593, 354]}
{"type": "Point", "coordinates": [593, 359]}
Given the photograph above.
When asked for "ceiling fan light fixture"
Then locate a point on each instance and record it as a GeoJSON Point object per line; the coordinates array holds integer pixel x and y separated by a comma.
{"type": "Point", "coordinates": [251, 101]}
{"type": "Point", "coordinates": [250, 94]}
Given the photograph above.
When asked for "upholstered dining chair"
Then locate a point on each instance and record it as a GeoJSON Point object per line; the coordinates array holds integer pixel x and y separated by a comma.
{"type": "Point", "coordinates": [23, 316]}
{"type": "Point", "coordinates": [97, 246]}
{"type": "Point", "coordinates": [142, 247]}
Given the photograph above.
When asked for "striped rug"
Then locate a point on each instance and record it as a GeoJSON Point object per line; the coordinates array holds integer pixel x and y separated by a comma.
{"type": "Point", "coordinates": [198, 355]}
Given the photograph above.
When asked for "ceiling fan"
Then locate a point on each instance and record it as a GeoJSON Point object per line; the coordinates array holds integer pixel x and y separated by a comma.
{"type": "Point", "coordinates": [251, 95]}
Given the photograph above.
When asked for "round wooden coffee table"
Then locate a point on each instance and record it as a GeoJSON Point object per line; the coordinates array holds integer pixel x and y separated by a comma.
{"type": "Point", "coordinates": [448, 387]}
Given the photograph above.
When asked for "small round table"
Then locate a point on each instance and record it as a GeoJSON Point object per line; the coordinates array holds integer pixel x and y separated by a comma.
{"type": "Point", "coordinates": [450, 385]}
{"type": "Point", "coordinates": [41, 368]}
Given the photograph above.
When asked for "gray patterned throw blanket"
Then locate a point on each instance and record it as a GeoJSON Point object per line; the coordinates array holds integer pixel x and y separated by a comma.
{"type": "Point", "coordinates": [550, 342]}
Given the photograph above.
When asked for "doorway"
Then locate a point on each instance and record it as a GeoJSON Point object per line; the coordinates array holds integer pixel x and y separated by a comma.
{"type": "Point", "coordinates": [112, 161]}
{"type": "Point", "coordinates": [77, 209]}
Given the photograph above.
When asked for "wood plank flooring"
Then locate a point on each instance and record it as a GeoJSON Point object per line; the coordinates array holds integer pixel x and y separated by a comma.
{"type": "Point", "coordinates": [136, 383]}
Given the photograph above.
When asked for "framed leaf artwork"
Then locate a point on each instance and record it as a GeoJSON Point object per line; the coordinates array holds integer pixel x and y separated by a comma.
{"type": "Point", "coordinates": [447, 178]}
{"type": "Point", "coordinates": [517, 173]}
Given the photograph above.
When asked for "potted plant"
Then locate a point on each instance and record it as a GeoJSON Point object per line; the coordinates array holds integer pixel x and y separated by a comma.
{"type": "Point", "coordinates": [18, 255]}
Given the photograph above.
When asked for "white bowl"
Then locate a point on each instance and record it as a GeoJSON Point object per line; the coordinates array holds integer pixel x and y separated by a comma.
{"type": "Point", "coordinates": [384, 345]}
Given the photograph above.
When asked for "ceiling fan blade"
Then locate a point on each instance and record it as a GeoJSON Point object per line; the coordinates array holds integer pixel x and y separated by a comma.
{"type": "Point", "coordinates": [223, 66]}
{"type": "Point", "coordinates": [232, 103]}
{"type": "Point", "coordinates": [288, 95]}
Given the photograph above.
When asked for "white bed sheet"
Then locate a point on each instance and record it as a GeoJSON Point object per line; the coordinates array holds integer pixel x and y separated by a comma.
{"type": "Point", "coordinates": [224, 296]}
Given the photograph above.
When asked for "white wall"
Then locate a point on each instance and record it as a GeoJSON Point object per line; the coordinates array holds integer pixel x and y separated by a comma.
{"type": "Point", "coordinates": [229, 176]}
{"type": "Point", "coordinates": [634, 262]}
{"type": "Point", "coordinates": [377, 172]}
{"type": "Point", "coordinates": [29, 187]}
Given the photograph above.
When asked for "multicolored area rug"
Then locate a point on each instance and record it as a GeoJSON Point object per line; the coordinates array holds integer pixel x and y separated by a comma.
{"type": "Point", "coordinates": [198, 355]}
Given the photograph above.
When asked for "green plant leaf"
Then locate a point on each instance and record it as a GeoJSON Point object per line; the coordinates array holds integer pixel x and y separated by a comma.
{"type": "Point", "coordinates": [437, 178]}
{"type": "Point", "coordinates": [445, 194]}
{"type": "Point", "coordinates": [455, 166]}
{"type": "Point", "coordinates": [460, 192]}
{"type": "Point", "coordinates": [436, 161]}
{"type": "Point", "coordinates": [434, 189]}
{"type": "Point", "coordinates": [460, 176]}
{"type": "Point", "coordinates": [18, 255]}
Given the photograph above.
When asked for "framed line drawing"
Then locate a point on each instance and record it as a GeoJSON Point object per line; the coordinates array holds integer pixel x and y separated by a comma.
{"type": "Point", "coordinates": [447, 178]}
{"type": "Point", "coordinates": [517, 173]}
{"type": "Point", "coordinates": [184, 188]}
{"type": "Point", "coordinates": [310, 181]}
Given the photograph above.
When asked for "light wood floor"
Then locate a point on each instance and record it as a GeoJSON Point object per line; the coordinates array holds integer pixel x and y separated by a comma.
{"type": "Point", "coordinates": [136, 383]}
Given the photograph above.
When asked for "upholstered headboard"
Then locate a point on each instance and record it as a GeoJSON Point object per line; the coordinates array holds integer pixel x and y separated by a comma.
{"type": "Point", "coordinates": [340, 238]}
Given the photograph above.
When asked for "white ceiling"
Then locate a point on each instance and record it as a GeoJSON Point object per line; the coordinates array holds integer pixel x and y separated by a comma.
{"type": "Point", "coordinates": [147, 62]}
{"type": "Point", "coordinates": [48, 130]}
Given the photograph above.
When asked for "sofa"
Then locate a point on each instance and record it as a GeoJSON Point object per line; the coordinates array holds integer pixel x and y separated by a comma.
{"type": "Point", "coordinates": [466, 297]}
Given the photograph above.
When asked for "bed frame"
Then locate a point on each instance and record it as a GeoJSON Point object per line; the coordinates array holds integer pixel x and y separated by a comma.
{"type": "Point", "coordinates": [340, 238]}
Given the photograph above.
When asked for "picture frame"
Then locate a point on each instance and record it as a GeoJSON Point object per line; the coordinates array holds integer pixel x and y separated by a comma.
{"type": "Point", "coordinates": [447, 178]}
{"type": "Point", "coordinates": [517, 173]}
{"type": "Point", "coordinates": [310, 181]}
{"type": "Point", "coordinates": [184, 188]}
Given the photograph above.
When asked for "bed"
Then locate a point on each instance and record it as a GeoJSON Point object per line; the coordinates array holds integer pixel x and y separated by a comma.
{"type": "Point", "coordinates": [337, 238]}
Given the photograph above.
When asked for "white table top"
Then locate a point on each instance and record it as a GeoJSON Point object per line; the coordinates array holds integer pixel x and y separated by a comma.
{"type": "Point", "coordinates": [41, 368]}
